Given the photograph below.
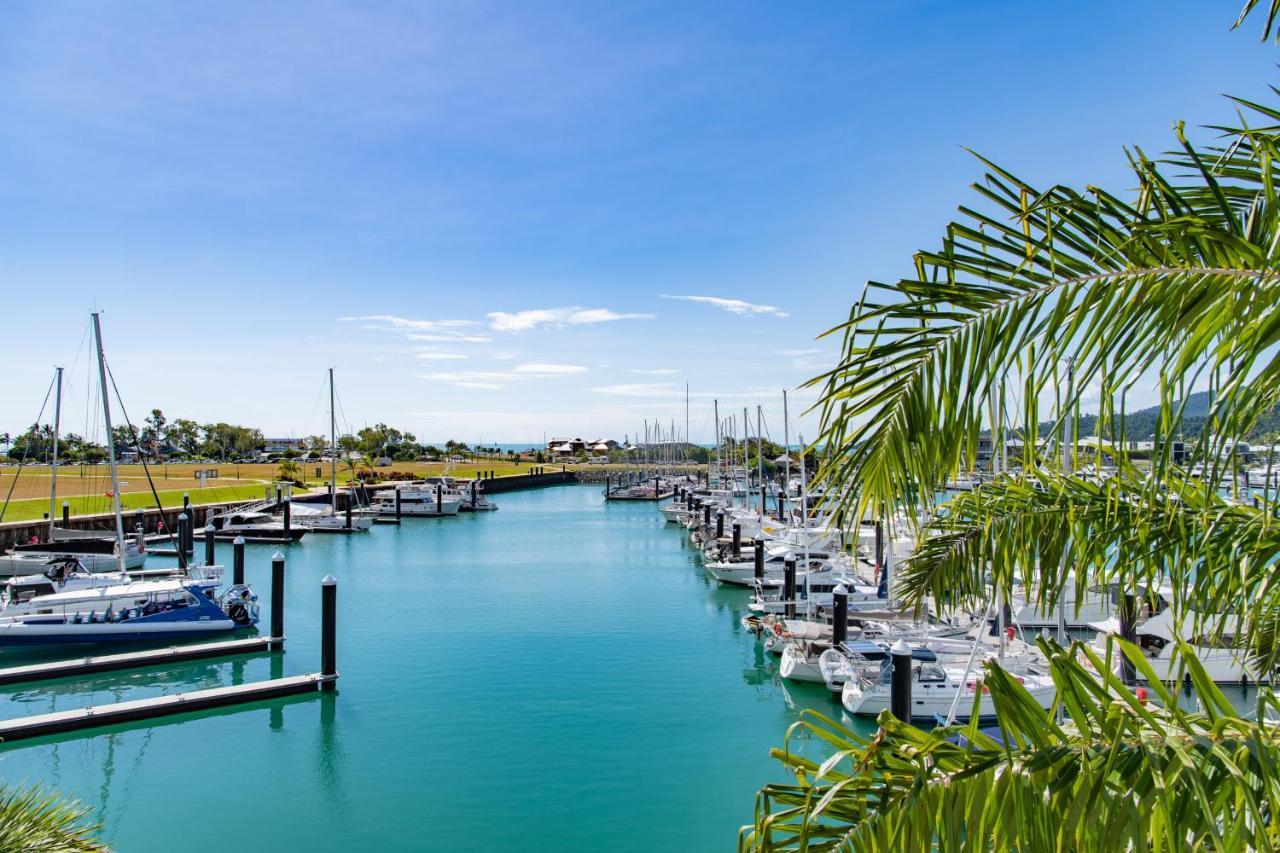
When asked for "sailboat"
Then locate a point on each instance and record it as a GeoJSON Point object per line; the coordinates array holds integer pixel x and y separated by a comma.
{"type": "Point", "coordinates": [936, 690]}
{"type": "Point", "coordinates": [94, 552]}
{"type": "Point", "coordinates": [128, 612]}
{"type": "Point", "coordinates": [327, 520]}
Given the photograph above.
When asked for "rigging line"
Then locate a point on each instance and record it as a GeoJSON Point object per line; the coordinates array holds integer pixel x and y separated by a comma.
{"type": "Point", "coordinates": [23, 461]}
{"type": "Point", "coordinates": [68, 379]}
{"type": "Point", "coordinates": [346, 423]}
{"type": "Point", "coordinates": [315, 404]}
{"type": "Point", "coordinates": [182, 561]}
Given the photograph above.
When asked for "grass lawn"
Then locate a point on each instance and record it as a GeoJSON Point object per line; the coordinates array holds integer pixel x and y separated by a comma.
{"type": "Point", "coordinates": [85, 487]}
{"type": "Point", "coordinates": [35, 508]}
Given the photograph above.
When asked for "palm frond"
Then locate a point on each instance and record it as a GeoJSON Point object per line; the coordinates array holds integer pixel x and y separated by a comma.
{"type": "Point", "coordinates": [1120, 774]}
{"type": "Point", "coordinates": [1178, 280]}
{"type": "Point", "coordinates": [34, 818]}
{"type": "Point", "coordinates": [1271, 17]}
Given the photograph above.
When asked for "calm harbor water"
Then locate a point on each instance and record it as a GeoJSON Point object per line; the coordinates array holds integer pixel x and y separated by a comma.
{"type": "Point", "coordinates": [560, 673]}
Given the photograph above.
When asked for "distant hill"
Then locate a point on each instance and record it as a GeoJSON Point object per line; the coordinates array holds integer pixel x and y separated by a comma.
{"type": "Point", "coordinates": [1140, 425]}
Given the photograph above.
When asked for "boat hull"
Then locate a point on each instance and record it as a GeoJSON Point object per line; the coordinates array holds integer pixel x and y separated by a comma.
{"type": "Point", "coordinates": [928, 707]}
{"type": "Point", "coordinates": [30, 634]}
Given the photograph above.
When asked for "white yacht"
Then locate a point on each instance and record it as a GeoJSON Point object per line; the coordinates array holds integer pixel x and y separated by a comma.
{"type": "Point", "coordinates": [39, 593]}
{"type": "Point", "coordinates": [1212, 639]}
{"type": "Point", "coordinates": [94, 551]}
{"type": "Point", "coordinates": [470, 493]}
{"type": "Point", "coordinates": [323, 518]}
{"type": "Point", "coordinates": [256, 524]}
{"type": "Point", "coordinates": [935, 690]}
{"type": "Point", "coordinates": [417, 499]}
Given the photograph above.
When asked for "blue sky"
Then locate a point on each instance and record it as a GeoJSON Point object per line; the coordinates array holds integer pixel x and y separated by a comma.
{"type": "Point", "coordinates": [497, 221]}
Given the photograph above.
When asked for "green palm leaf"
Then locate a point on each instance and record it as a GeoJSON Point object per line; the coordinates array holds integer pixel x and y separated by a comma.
{"type": "Point", "coordinates": [1031, 297]}
{"type": "Point", "coordinates": [1118, 773]}
{"type": "Point", "coordinates": [35, 819]}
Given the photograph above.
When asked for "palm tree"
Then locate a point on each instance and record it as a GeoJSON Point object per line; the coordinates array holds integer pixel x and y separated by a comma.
{"type": "Point", "coordinates": [1035, 298]}
{"type": "Point", "coordinates": [35, 819]}
{"type": "Point", "coordinates": [289, 468]}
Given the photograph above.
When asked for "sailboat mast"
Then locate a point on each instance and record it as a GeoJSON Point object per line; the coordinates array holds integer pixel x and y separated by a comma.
{"type": "Point", "coordinates": [686, 417]}
{"type": "Point", "coordinates": [716, 404]}
{"type": "Point", "coordinates": [760, 461]}
{"type": "Point", "coordinates": [804, 508]}
{"type": "Point", "coordinates": [57, 429]}
{"type": "Point", "coordinates": [786, 440]}
{"type": "Point", "coordinates": [333, 449]}
{"type": "Point", "coordinates": [111, 444]}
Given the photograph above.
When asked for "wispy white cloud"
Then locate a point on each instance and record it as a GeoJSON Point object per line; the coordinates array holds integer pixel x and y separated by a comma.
{"type": "Point", "coordinates": [495, 379]}
{"type": "Point", "coordinates": [674, 390]}
{"type": "Point", "coordinates": [639, 389]}
{"type": "Point", "coordinates": [733, 306]}
{"type": "Point", "coordinates": [436, 355]}
{"type": "Point", "coordinates": [407, 323]}
{"type": "Point", "coordinates": [426, 331]}
{"type": "Point", "coordinates": [542, 370]}
{"type": "Point", "coordinates": [807, 359]}
{"type": "Point", "coordinates": [522, 321]}
{"type": "Point", "coordinates": [451, 338]}
{"type": "Point", "coordinates": [656, 371]}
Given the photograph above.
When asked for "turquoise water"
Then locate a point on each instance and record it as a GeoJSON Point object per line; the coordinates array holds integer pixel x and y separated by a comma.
{"type": "Point", "coordinates": [560, 673]}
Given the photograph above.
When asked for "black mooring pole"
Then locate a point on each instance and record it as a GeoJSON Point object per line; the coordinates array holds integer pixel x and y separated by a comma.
{"type": "Point", "coordinates": [183, 522]}
{"type": "Point", "coordinates": [208, 544]}
{"type": "Point", "coordinates": [328, 632]}
{"type": "Point", "coordinates": [759, 558]}
{"type": "Point", "coordinates": [900, 686]}
{"type": "Point", "coordinates": [277, 601]}
{"type": "Point", "coordinates": [737, 540]}
{"type": "Point", "coordinates": [789, 586]}
{"type": "Point", "coordinates": [840, 616]}
{"type": "Point", "coordinates": [237, 560]}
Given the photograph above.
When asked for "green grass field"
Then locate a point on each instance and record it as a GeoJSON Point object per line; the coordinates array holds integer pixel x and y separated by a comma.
{"type": "Point", "coordinates": [84, 488]}
{"type": "Point", "coordinates": [34, 508]}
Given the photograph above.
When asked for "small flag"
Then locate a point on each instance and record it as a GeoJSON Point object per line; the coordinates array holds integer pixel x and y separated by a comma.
{"type": "Point", "coordinates": [109, 493]}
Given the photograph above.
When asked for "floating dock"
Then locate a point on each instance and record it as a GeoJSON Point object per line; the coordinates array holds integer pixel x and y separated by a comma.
{"type": "Point", "coordinates": [161, 706]}
{"type": "Point", "coordinates": [134, 660]}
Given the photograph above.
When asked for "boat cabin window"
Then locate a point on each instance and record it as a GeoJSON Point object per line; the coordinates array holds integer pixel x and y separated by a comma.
{"type": "Point", "coordinates": [28, 591]}
{"type": "Point", "coordinates": [933, 673]}
{"type": "Point", "coordinates": [1214, 641]}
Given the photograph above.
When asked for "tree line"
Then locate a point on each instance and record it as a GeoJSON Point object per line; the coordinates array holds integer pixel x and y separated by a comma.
{"type": "Point", "coordinates": [182, 439]}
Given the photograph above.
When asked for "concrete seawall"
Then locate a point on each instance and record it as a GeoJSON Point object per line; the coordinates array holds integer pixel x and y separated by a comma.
{"type": "Point", "coordinates": [528, 481]}
{"type": "Point", "coordinates": [13, 533]}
